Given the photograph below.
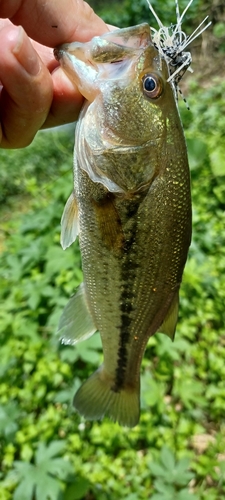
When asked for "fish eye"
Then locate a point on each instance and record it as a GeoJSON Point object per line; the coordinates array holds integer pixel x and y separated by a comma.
{"type": "Point", "coordinates": [152, 86]}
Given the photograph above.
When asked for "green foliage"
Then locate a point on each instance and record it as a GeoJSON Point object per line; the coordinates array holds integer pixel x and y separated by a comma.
{"type": "Point", "coordinates": [130, 12]}
{"type": "Point", "coordinates": [46, 450]}
{"type": "Point", "coordinates": [42, 479]}
{"type": "Point", "coordinates": [171, 477]}
{"type": "Point", "coordinates": [205, 135]}
{"type": "Point", "coordinates": [16, 180]}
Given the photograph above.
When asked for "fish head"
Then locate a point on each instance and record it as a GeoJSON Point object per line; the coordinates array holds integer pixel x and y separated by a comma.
{"type": "Point", "coordinates": [126, 76]}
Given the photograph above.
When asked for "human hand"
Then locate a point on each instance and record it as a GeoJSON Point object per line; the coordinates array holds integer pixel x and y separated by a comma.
{"type": "Point", "coordinates": [35, 92]}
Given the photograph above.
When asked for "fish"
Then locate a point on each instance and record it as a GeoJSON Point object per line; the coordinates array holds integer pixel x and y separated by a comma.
{"type": "Point", "coordinates": [130, 207]}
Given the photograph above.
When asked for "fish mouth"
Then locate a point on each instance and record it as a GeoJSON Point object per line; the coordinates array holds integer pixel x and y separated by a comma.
{"type": "Point", "coordinates": [110, 47]}
{"type": "Point", "coordinates": [58, 52]}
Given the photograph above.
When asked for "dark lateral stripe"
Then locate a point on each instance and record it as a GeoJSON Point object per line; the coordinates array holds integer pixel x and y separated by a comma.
{"type": "Point", "coordinates": [129, 269]}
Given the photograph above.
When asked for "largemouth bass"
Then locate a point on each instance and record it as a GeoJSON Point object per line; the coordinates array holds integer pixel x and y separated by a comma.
{"type": "Point", "coordinates": [131, 205]}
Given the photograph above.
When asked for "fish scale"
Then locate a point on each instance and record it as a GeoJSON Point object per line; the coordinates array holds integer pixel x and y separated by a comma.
{"type": "Point", "coordinates": [131, 205]}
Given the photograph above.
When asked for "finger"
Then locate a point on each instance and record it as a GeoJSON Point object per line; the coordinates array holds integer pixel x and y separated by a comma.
{"type": "Point", "coordinates": [46, 53]}
{"type": "Point", "coordinates": [67, 101]}
{"type": "Point", "coordinates": [26, 95]}
{"type": "Point", "coordinates": [54, 22]}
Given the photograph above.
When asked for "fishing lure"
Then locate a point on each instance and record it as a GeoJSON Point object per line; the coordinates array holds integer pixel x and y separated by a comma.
{"type": "Point", "coordinates": [171, 43]}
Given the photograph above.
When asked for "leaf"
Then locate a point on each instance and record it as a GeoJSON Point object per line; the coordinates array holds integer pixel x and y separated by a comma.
{"type": "Point", "coordinates": [9, 415]}
{"type": "Point", "coordinates": [65, 396]}
{"type": "Point", "coordinates": [159, 496]}
{"type": "Point", "coordinates": [77, 490]}
{"type": "Point", "coordinates": [47, 488]}
{"type": "Point", "coordinates": [164, 488]}
{"type": "Point", "coordinates": [217, 157]}
{"type": "Point", "coordinates": [88, 350]}
{"type": "Point", "coordinates": [44, 476]}
{"type": "Point", "coordinates": [156, 469]}
{"type": "Point", "coordinates": [170, 472]}
{"type": "Point", "coordinates": [38, 480]}
{"type": "Point", "coordinates": [167, 459]}
{"type": "Point", "coordinates": [182, 465]}
{"type": "Point", "coordinates": [24, 491]}
{"type": "Point", "coordinates": [186, 495]}
{"type": "Point", "coordinates": [60, 468]}
{"type": "Point", "coordinates": [56, 258]}
{"type": "Point", "coordinates": [196, 149]}
{"type": "Point", "coordinates": [152, 391]}
{"type": "Point", "coordinates": [69, 354]}
{"type": "Point", "coordinates": [190, 392]}
{"type": "Point", "coordinates": [133, 496]}
{"type": "Point", "coordinates": [44, 452]}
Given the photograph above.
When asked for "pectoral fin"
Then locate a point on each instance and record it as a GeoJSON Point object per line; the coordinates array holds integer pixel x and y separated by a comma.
{"type": "Point", "coordinates": [69, 222]}
{"type": "Point", "coordinates": [168, 326]}
{"type": "Point", "coordinates": [76, 323]}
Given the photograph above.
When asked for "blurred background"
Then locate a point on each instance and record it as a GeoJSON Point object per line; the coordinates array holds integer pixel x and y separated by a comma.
{"type": "Point", "coordinates": [177, 452]}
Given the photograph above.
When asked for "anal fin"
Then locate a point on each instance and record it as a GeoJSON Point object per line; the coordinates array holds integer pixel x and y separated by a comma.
{"type": "Point", "coordinates": [76, 323]}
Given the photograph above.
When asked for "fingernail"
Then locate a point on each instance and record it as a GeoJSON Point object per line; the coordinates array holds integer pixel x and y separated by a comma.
{"type": "Point", "coordinates": [25, 53]}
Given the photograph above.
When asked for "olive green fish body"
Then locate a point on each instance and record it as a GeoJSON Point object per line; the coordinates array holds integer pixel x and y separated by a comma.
{"type": "Point", "coordinates": [132, 203]}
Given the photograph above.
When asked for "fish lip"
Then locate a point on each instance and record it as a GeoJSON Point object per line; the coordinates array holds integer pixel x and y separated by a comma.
{"type": "Point", "coordinates": [60, 51]}
{"type": "Point", "coordinates": [57, 53]}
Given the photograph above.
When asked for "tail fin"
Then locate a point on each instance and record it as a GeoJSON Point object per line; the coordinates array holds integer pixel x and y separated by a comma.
{"type": "Point", "coordinates": [95, 398]}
